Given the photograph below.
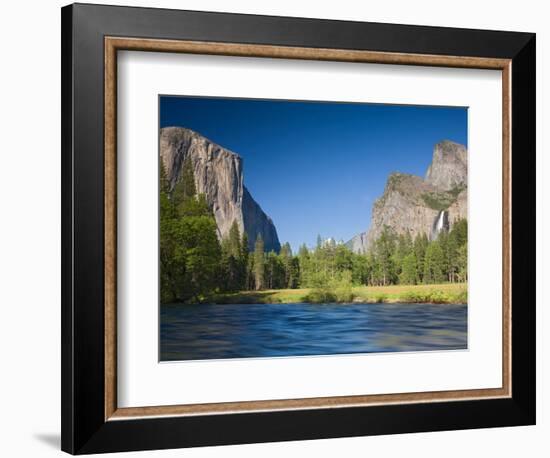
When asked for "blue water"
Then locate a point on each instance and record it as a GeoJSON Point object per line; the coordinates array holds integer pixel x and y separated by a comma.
{"type": "Point", "coordinates": [191, 332]}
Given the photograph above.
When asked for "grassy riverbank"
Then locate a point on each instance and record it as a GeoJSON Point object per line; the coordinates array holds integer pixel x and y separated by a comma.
{"type": "Point", "coordinates": [447, 293]}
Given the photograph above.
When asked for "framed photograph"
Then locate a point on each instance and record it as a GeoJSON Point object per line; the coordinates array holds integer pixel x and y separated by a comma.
{"type": "Point", "coordinates": [281, 228]}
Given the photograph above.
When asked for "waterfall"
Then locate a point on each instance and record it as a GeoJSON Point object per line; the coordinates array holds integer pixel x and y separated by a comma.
{"type": "Point", "coordinates": [441, 223]}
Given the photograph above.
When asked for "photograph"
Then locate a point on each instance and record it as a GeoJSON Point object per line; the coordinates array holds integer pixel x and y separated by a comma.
{"type": "Point", "coordinates": [302, 228]}
{"type": "Point", "coordinates": [276, 226]}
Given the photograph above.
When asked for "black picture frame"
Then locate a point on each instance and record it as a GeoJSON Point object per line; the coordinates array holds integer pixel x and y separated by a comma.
{"type": "Point", "coordinates": [84, 428]}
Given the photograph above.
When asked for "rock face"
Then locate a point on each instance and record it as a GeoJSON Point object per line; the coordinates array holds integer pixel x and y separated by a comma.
{"type": "Point", "coordinates": [358, 244]}
{"type": "Point", "coordinates": [449, 167]}
{"type": "Point", "coordinates": [218, 175]}
{"type": "Point", "coordinates": [459, 209]}
{"type": "Point", "coordinates": [257, 222]}
{"type": "Point", "coordinates": [414, 205]}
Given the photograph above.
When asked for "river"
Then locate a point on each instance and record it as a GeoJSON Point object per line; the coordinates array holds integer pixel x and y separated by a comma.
{"type": "Point", "coordinates": [195, 332]}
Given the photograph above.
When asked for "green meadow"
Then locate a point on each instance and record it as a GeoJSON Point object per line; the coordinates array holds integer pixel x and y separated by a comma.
{"type": "Point", "coordinates": [445, 293]}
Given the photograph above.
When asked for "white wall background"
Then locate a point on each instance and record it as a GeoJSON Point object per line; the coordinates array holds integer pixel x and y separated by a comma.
{"type": "Point", "coordinates": [30, 227]}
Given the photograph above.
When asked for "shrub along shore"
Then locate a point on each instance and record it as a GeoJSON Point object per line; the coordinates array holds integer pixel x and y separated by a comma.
{"type": "Point", "coordinates": [446, 293]}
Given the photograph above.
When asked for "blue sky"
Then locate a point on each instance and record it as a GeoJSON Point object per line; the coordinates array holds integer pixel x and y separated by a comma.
{"type": "Point", "coordinates": [317, 167]}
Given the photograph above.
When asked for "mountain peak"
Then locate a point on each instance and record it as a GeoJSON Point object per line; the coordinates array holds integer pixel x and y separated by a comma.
{"type": "Point", "coordinates": [449, 167]}
{"type": "Point", "coordinates": [410, 204]}
{"type": "Point", "coordinates": [218, 174]}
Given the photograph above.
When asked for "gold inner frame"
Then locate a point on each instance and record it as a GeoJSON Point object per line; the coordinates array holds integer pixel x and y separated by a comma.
{"type": "Point", "coordinates": [114, 44]}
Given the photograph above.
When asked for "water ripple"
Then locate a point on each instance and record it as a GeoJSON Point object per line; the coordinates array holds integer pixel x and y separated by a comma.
{"type": "Point", "coordinates": [191, 332]}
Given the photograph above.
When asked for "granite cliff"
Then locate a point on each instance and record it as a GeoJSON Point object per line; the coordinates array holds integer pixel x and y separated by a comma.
{"type": "Point", "coordinates": [218, 175]}
{"type": "Point", "coordinates": [411, 204]}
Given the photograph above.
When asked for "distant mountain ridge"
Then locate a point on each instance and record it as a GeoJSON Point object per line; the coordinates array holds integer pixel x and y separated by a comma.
{"type": "Point", "coordinates": [411, 204]}
{"type": "Point", "coordinates": [218, 175]}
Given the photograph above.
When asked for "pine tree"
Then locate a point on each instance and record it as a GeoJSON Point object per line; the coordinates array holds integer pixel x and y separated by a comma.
{"type": "Point", "coordinates": [384, 249]}
{"type": "Point", "coordinates": [190, 252]}
{"type": "Point", "coordinates": [259, 263]}
{"type": "Point", "coordinates": [443, 240]}
{"type": "Point", "coordinates": [244, 246]}
{"type": "Point", "coordinates": [294, 275]}
{"type": "Point", "coordinates": [197, 241]}
{"type": "Point", "coordinates": [244, 260]}
{"type": "Point", "coordinates": [194, 206]}
{"type": "Point", "coordinates": [451, 254]}
{"type": "Point", "coordinates": [408, 274]}
{"type": "Point", "coordinates": [185, 186]}
{"type": "Point", "coordinates": [342, 258]}
{"type": "Point", "coordinates": [234, 240]}
{"type": "Point", "coordinates": [462, 263]}
{"type": "Point", "coordinates": [403, 248]}
{"type": "Point", "coordinates": [420, 245]}
{"type": "Point", "coordinates": [458, 238]}
{"type": "Point", "coordinates": [234, 260]}
{"type": "Point", "coordinates": [250, 274]}
{"type": "Point", "coordinates": [285, 256]}
{"type": "Point", "coordinates": [361, 269]}
{"type": "Point", "coordinates": [304, 261]}
{"type": "Point", "coordinates": [434, 263]}
{"type": "Point", "coordinates": [460, 231]}
{"type": "Point", "coordinates": [274, 271]}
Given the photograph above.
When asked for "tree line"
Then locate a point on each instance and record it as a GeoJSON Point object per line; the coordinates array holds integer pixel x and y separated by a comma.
{"type": "Point", "coordinates": [195, 263]}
